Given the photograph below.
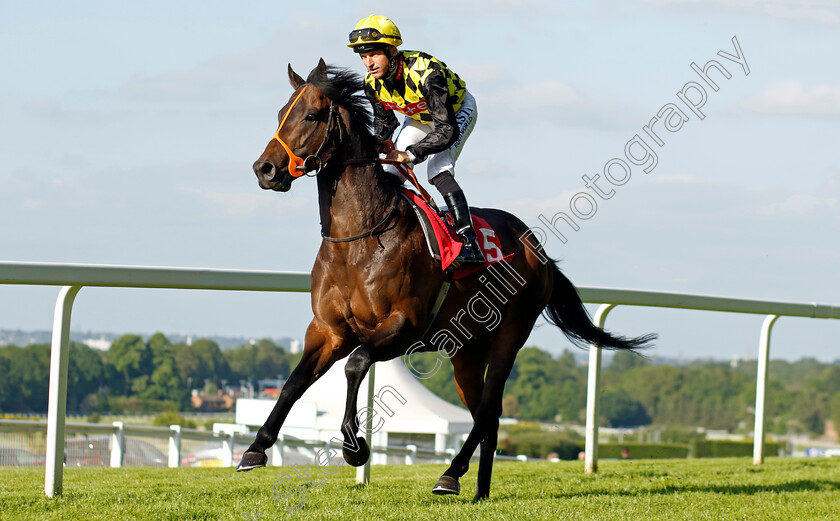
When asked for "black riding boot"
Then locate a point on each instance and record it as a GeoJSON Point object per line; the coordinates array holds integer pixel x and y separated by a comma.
{"type": "Point", "coordinates": [470, 253]}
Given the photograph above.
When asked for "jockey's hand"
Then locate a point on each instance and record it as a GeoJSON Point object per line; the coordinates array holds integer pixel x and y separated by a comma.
{"type": "Point", "coordinates": [399, 155]}
{"type": "Point", "coordinates": [386, 146]}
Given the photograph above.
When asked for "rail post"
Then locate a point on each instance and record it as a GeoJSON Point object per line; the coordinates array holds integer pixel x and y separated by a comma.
{"type": "Point", "coordinates": [57, 408]}
{"type": "Point", "coordinates": [277, 452]}
{"type": "Point", "coordinates": [761, 388]}
{"type": "Point", "coordinates": [593, 395]}
{"type": "Point", "coordinates": [118, 445]}
{"type": "Point", "coordinates": [411, 457]}
{"type": "Point", "coordinates": [228, 444]}
{"type": "Point", "coordinates": [450, 455]}
{"type": "Point", "coordinates": [363, 472]}
{"type": "Point", "coordinates": [174, 453]}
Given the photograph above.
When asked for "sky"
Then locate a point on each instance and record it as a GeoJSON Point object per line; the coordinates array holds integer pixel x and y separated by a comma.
{"type": "Point", "coordinates": [128, 131]}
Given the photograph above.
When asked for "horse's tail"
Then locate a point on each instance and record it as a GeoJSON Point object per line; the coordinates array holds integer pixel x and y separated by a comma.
{"type": "Point", "coordinates": [565, 310]}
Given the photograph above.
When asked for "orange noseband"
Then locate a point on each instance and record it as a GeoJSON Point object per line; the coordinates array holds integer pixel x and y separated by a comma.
{"type": "Point", "coordinates": [295, 163]}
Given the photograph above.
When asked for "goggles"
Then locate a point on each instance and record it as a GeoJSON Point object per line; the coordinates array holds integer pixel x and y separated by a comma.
{"type": "Point", "coordinates": [368, 34]}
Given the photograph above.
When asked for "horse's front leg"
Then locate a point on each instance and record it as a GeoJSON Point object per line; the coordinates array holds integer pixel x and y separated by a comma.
{"type": "Point", "coordinates": [322, 349]}
{"type": "Point", "coordinates": [390, 340]}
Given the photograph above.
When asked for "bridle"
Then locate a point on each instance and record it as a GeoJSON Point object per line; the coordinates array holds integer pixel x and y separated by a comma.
{"type": "Point", "coordinates": [297, 165]}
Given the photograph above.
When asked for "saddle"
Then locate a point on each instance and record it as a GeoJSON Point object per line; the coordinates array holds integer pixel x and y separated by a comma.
{"type": "Point", "coordinates": [444, 245]}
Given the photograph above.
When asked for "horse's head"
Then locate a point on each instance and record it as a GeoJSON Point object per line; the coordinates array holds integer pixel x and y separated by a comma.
{"type": "Point", "coordinates": [302, 141]}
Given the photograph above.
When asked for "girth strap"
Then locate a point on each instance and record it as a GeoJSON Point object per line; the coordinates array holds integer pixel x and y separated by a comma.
{"type": "Point", "coordinates": [444, 290]}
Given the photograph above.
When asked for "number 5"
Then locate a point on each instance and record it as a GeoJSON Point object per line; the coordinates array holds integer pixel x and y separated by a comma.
{"type": "Point", "coordinates": [491, 252]}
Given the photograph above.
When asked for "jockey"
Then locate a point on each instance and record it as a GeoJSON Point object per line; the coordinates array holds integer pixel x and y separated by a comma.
{"type": "Point", "coordinates": [440, 114]}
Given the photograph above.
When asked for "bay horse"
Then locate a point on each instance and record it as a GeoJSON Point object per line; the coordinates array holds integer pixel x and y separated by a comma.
{"type": "Point", "coordinates": [374, 283]}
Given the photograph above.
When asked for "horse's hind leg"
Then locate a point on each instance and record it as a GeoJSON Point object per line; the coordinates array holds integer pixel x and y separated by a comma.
{"type": "Point", "coordinates": [469, 380]}
{"type": "Point", "coordinates": [486, 424]}
{"type": "Point", "coordinates": [321, 351]}
{"type": "Point", "coordinates": [485, 462]}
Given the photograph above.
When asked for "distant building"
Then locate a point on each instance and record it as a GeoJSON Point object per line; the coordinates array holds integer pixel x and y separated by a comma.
{"type": "Point", "coordinates": [212, 402]}
{"type": "Point", "coordinates": [294, 346]}
{"type": "Point", "coordinates": [404, 411]}
{"type": "Point", "coordinates": [270, 388]}
{"type": "Point", "coordinates": [99, 344]}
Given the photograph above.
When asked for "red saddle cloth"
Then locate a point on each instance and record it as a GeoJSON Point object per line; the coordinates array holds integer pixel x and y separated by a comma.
{"type": "Point", "coordinates": [449, 245]}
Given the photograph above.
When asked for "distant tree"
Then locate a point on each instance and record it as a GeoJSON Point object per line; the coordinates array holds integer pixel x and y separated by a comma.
{"type": "Point", "coordinates": [5, 385]}
{"type": "Point", "coordinates": [658, 388]}
{"type": "Point", "coordinates": [27, 378]}
{"type": "Point", "coordinates": [203, 360]}
{"type": "Point", "coordinates": [130, 355]}
{"type": "Point", "coordinates": [166, 382]}
{"type": "Point", "coordinates": [264, 359]}
{"type": "Point", "coordinates": [795, 375]}
{"type": "Point", "coordinates": [810, 410]}
{"type": "Point", "coordinates": [829, 380]}
{"type": "Point", "coordinates": [510, 406]}
{"type": "Point", "coordinates": [834, 409]}
{"type": "Point", "coordinates": [623, 361]}
{"type": "Point", "coordinates": [620, 410]}
{"type": "Point", "coordinates": [571, 388]}
{"type": "Point", "coordinates": [440, 381]}
{"type": "Point", "coordinates": [271, 360]}
{"type": "Point", "coordinates": [189, 365]}
{"type": "Point", "coordinates": [532, 382]}
{"type": "Point", "coordinates": [711, 396]}
{"type": "Point", "coordinates": [242, 361]}
{"type": "Point", "coordinates": [160, 347]}
{"type": "Point", "coordinates": [137, 376]}
{"type": "Point", "coordinates": [547, 388]}
{"type": "Point", "coordinates": [779, 402]}
{"type": "Point", "coordinates": [294, 360]}
{"type": "Point", "coordinates": [85, 374]}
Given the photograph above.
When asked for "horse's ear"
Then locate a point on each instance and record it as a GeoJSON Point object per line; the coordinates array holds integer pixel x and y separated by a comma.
{"type": "Point", "coordinates": [294, 79]}
{"type": "Point", "coordinates": [319, 72]}
{"type": "Point", "coordinates": [322, 69]}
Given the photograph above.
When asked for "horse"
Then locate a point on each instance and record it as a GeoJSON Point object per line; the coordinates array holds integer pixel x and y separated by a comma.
{"type": "Point", "coordinates": [374, 284]}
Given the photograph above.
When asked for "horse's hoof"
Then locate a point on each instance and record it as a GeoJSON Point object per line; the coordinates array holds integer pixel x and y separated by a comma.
{"type": "Point", "coordinates": [358, 456]}
{"type": "Point", "coordinates": [252, 460]}
{"type": "Point", "coordinates": [447, 485]}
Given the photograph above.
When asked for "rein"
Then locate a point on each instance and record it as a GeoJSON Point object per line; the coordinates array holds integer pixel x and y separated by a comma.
{"type": "Point", "coordinates": [406, 172]}
{"type": "Point", "coordinates": [299, 166]}
{"type": "Point", "coordinates": [379, 227]}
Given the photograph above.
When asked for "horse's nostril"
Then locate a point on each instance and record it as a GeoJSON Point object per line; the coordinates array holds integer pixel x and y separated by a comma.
{"type": "Point", "coordinates": [266, 168]}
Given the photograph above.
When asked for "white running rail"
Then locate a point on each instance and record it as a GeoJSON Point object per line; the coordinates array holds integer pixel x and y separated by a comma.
{"type": "Point", "coordinates": [72, 277]}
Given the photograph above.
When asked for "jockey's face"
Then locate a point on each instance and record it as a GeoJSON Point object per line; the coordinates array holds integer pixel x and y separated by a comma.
{"type": "Point", "coordinates": [376, 62]}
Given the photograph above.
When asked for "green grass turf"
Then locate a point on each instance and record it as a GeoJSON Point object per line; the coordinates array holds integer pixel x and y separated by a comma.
{"type": "Point", "coordinates": [723, 489]}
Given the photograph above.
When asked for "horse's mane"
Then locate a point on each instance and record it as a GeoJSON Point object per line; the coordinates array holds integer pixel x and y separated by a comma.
{"type": "Point", "coordinates": [345, 88]}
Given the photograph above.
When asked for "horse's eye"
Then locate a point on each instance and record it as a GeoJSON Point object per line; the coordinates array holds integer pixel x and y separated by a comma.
{"type": "Point", "coordinates": [311, 116]}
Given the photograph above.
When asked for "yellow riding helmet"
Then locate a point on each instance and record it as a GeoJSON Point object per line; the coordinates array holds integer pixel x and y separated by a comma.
{"type": "Point", "coordinates": [374, 32]}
